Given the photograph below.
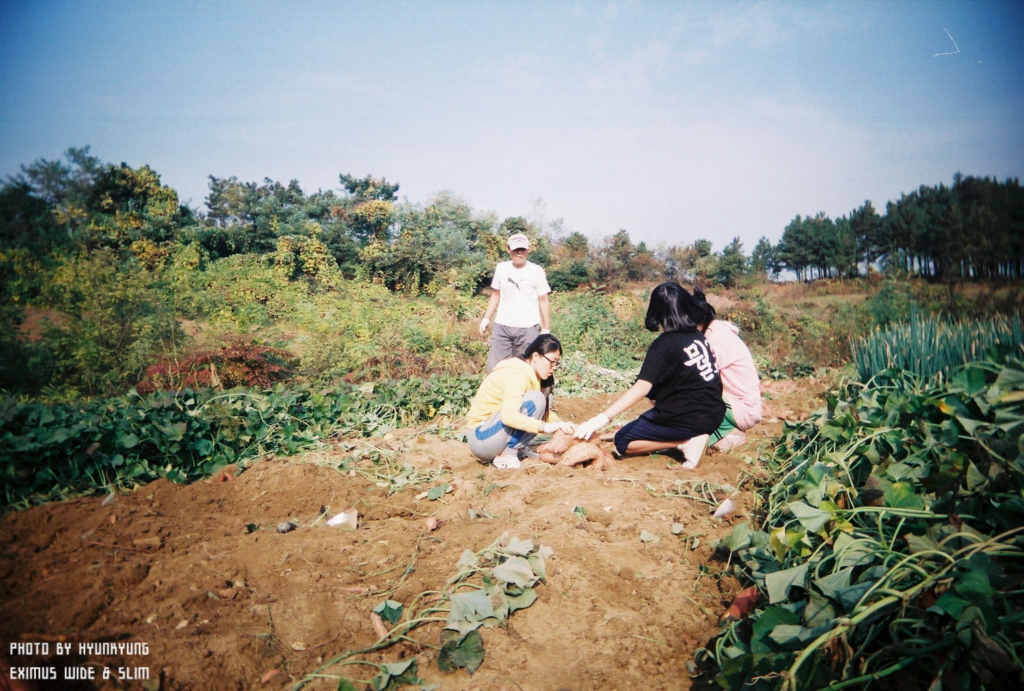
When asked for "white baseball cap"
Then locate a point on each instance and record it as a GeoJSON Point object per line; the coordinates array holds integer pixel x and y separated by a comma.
{"type": "Point", "coordinates": [518, 242]}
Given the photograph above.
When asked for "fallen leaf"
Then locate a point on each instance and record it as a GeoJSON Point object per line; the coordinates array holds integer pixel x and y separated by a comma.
{"type": "Point", "coordinates": [298, 646]}
{"type": "Point", "coordinates": [181, 624]}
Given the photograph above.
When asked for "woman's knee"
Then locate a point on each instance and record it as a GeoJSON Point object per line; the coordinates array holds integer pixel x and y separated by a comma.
{"type": "Point", "coordinates": [534, 404]}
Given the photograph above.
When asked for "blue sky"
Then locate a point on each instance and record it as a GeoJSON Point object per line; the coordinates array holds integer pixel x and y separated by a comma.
{"type": "Point", "coordinates": [673, 120]}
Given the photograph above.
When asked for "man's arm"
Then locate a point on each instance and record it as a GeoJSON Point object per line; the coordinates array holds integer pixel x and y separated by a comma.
{"type": "Point", "coordinates": [545, 313]}
{"type": "Point", "coordinates": [492, 305]}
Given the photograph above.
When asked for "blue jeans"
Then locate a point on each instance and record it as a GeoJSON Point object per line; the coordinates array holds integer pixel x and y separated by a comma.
{"type": "Point", "coordinates": [490, 438]}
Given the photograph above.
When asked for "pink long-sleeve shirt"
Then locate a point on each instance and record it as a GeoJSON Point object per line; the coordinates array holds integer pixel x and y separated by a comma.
{"type": "Point", "coordinates": [740, 384]}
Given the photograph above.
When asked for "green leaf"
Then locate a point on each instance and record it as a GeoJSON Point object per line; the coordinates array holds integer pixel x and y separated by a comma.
{"type": "Point", "coordinates": [472, 606]}
{"type": "Point", "coordinates": [901, 496]}
{"type": "Point", "coordinates": [461, 651]}
{"type": "Point", "coordinates": [771, 617]}
{"type": "Point", "coordinates": [346, 685]}
{"type": "Point", "coordinates": [810, 518]}
{"type": "Point", "coordinates": [395, 675]}
{"type": "Point", "coordinates": [467, 562]}
{"type": "Point", "coordinates": [522, 601]}
{"type": "Point", "coordinates": [738, 538]}
{"type": "Point", "coordinates": [538, 560]}
{"type": "Point", "coordinates": [678, 528]}
{"type": "Point", "coordinates": [435, 493]}
{"type": "Point", "coordinates": [831, 585]}
{"type": "Point", "coordinates": [779, 582]}
{"type": "Point", "coordinates": [580, 511]}
{"type": "Point", "coordinates": [515, 570]}
{"type": "Point", "coordinates": [819, 610]}
{"type": "Point", "coordinates": [390, 610]}
{"type": "Point", "coordinates": [952, 605]}
{"type": "Point", "coordinates": [898, 471]}
{"type": "Point", "coordinates": [520, 547]}
{"type": "Point", "coordinates": [788, 636]}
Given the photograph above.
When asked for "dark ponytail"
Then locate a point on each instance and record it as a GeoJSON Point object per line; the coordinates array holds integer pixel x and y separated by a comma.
{"type": "Point", "coordinates": [705, 306]}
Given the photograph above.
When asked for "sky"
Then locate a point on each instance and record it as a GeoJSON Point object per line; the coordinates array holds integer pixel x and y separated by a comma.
{"type": "Point", "coordinates": [673, 120]}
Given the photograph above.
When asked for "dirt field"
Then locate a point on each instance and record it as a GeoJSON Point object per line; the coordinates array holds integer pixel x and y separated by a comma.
{"type": "Point", "coordinates": [221, 605]}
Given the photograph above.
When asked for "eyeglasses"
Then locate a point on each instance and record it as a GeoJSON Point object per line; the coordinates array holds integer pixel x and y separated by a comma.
{"type": "Point", "coordinates": [554, 363]}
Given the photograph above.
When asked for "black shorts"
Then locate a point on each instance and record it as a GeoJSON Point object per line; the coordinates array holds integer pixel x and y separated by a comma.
{"type": "Point", "coordinates": [645, 429]}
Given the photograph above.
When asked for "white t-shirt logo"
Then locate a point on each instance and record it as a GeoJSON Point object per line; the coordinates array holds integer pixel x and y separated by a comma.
{"type": "Point", "coordinates": [698, 353]}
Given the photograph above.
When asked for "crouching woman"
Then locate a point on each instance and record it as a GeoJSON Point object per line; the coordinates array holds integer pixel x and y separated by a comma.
{"type": "Point", "coordinates": [513, 405]}
{"type": "Point", "coordinates": [679, 375]}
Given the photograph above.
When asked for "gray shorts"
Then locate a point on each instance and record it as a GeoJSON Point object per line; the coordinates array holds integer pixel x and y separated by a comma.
{"type": "Point", "coordinates": [509, 341]}
{"type": "Point", "coordinates": [491, 437]}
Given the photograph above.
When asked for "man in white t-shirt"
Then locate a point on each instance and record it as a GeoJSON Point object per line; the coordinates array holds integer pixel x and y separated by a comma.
{"type": "Point", "coordinates": [519, 292]}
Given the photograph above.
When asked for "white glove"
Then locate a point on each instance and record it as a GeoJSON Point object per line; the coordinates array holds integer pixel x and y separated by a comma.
{"type": "Point", "coordinates": [552, 427]}
{"type": "Point", "coordinates": [545, 331]}
{"type": "Point", "coordinates": [484, 323]}
{"type": "Point", "coordinates": [595, 423]}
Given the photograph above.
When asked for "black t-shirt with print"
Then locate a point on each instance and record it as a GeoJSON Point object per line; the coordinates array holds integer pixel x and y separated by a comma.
{"type": "Point", "coordinates": [686, 387]}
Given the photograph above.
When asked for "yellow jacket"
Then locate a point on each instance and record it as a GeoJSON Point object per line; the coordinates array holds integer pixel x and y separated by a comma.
{"type": "Point", "coordinates": [503, 389]}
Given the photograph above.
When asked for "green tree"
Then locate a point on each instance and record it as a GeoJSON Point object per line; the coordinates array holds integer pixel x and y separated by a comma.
{"type": "Point", "coordinates": [65, 186]}
{"type": "Point", "coordinates": [866, 225]}
{"type": "Point", "coordinates": [762, 258]}
{"type": "Point", "coordinates": [732, 264]}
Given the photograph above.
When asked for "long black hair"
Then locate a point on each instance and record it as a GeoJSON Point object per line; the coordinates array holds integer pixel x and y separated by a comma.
{"type": "Point", "coordinates": [672, 309]}
{"type": "Point", "coordinates": [542, 345]}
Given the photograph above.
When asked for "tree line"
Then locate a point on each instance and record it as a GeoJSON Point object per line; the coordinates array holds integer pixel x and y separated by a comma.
{"type": "Point", "coordinates": [972, 229]}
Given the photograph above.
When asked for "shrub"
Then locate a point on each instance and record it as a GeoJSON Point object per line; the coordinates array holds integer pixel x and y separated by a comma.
{"type": "Point", "coordinates": [113, 320]}
{"type": "Point", "coordinates": [242, 363]}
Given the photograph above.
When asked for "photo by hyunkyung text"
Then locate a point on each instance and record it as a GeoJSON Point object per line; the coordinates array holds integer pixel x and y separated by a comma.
{"type": "Point", "coordinates": [486, 346]}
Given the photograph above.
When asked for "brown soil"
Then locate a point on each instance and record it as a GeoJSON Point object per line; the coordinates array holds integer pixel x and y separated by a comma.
{"type": "Point", "coordinates": [221, 608]}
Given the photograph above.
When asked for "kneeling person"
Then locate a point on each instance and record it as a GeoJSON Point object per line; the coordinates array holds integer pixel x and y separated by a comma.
{"type": "Point", "coordinates": [513, 405]}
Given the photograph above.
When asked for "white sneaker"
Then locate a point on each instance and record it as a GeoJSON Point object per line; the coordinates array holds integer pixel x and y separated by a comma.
{"type": "Point", "coordinates": [693, 449]}
{"type": "Point", "coordinates": [507, 460]}
{"type": "Point", "coordinates": [731, 441]}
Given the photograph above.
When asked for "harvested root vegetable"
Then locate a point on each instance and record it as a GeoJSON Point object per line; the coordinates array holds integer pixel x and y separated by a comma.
{"type": "Point", "coordinates": [559, 444]}
{"type": "Point", "coordinates": [585, 451]}
{"type": "Point", "coordinates": [743, 605]}
{"type": "Point", "coordinates": [432, 524]}
{"type": "Point", "coordinates": [378, 625]}
{"type": "Point", "coordinates": [564, 449]}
